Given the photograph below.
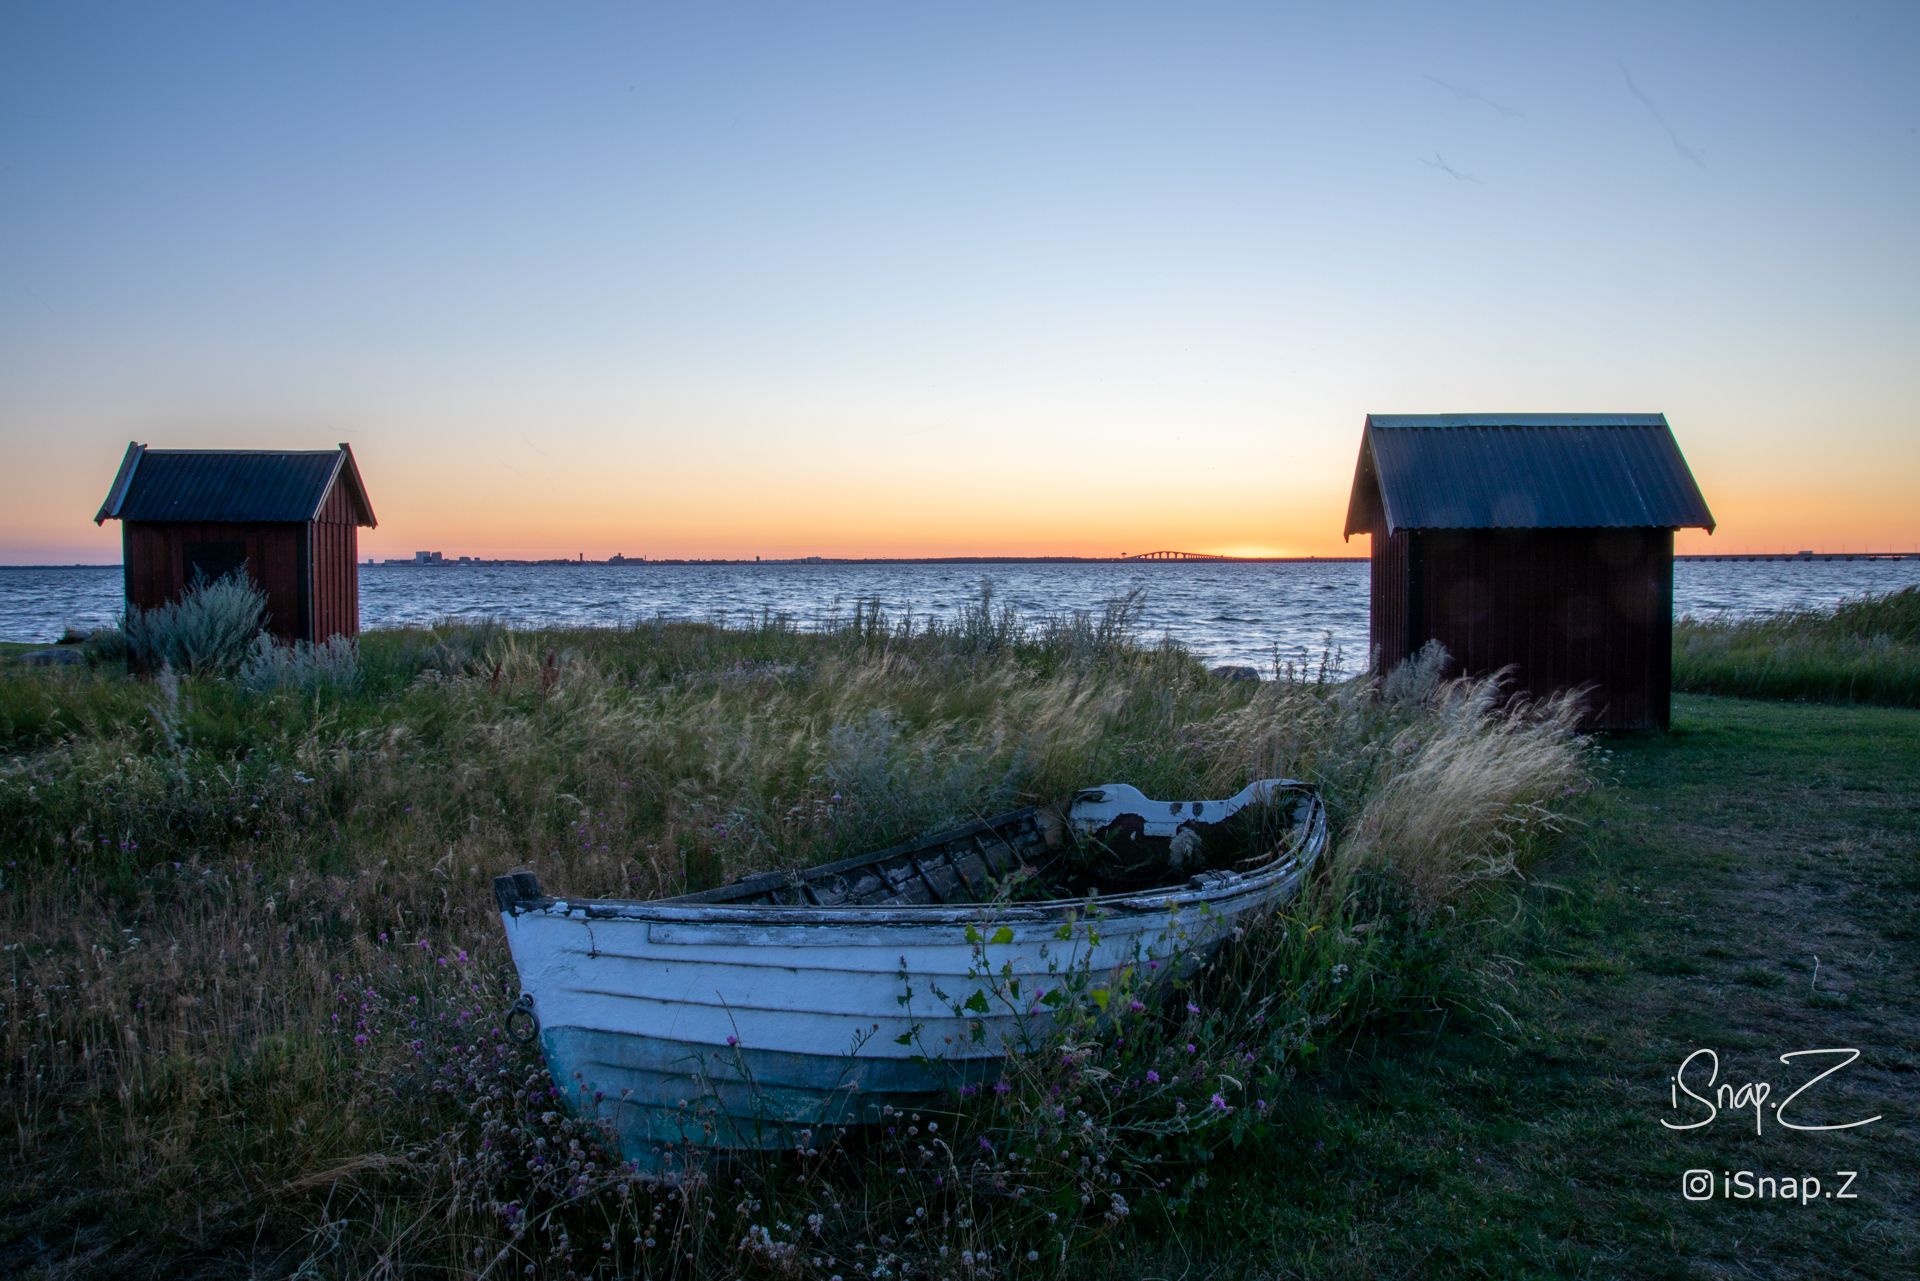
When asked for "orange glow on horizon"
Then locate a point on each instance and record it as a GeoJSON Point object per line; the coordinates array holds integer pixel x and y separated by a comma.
{"type": "Point", "coordinates": [880, 527]}
{"type": "Point", "coordinates": [675, 501]}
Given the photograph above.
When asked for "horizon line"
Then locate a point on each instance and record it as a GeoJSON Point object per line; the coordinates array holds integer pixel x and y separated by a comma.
{"type": "Point", "coordinates": [1886, 553]}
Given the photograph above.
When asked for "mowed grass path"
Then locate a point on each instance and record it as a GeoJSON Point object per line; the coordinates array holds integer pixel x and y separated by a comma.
{"type": "Point", "coordinates": [1724, 860]}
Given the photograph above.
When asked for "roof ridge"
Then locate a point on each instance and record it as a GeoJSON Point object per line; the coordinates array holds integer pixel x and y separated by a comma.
{"type": "Point", "coordinates": [1494, 419]}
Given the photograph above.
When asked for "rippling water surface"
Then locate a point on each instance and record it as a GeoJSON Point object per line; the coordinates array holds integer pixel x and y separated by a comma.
{"type": "Point", "coordinates": [1242, 613]}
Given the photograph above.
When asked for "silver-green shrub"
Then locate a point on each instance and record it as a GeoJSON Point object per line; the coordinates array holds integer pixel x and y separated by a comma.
{"type": "Point", "coordinates": [334, 664]}
{"type": "Point", "coordinates": [208, 629]}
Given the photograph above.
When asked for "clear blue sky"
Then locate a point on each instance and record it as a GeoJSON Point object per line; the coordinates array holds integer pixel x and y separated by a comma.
{"type": "Point", "coordinates": [833, 278]}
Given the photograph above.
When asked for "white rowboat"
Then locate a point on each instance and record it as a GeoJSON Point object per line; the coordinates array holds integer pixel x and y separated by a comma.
{"type": "Point", "coordinates": [735, 1017]}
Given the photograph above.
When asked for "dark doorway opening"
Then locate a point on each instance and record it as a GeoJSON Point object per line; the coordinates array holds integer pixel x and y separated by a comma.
{"type": "Point", "coordinates": [215, 559]}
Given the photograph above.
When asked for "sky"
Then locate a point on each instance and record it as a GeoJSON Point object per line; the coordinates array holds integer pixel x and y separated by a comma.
{"type": "Point", "coordinates": [845, 279]}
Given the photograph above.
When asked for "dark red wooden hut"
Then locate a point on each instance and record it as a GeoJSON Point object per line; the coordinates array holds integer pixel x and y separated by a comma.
{"type": "Point", "coordinates": [292, 517]}
{"type": "Point", "coordinates": [1540, 542]}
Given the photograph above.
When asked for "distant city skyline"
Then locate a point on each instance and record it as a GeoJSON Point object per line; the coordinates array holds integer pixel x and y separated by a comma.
{"type": "Point", "coordinates": [949, 281]}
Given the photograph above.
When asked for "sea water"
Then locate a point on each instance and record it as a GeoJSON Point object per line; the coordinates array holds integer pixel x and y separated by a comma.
{"type": "Point", "coordinates": [1255, 613]}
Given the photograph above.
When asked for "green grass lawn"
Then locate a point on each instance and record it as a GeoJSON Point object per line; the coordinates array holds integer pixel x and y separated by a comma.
{"type": "Point", "coordinates": [1732, 855]}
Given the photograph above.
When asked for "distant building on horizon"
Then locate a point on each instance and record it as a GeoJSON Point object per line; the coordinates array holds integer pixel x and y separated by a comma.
{"type": "Point", "coordinates": [290, 517]}
{"type": "Point", "coordinates": [1537, 542]}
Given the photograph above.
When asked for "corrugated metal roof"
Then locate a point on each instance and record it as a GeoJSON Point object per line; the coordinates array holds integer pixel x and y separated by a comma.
{"type": "Point", "coordinates": [1523, 471]}
{"type": "Point", "coordinates": [228, 486]}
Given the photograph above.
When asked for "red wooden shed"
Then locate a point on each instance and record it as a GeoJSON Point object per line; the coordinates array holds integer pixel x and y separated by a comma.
{"type": "Point", "coordinates": [292, 517]}
{"type": "Point", "coordinates": [1540, 542]}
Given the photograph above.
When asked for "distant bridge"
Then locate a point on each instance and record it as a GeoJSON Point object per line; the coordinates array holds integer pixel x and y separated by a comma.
{"type": "Point", "coordinates": [1797, 556]}
{"type": "Point", "coordinates": [1175, 556]}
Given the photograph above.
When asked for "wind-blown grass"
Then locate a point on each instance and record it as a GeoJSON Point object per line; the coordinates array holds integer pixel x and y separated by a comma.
{"type": "Point", "coordinates": [255, 981]}
{"type": "Point", "coordinates": [1864, 651]}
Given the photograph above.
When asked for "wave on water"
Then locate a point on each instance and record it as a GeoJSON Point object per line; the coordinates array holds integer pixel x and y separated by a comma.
{"type": "Point", "coordinates": [1255, 613]}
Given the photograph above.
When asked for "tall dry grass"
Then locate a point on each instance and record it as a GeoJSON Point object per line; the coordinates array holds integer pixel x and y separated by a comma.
{"type": "Point", "coordinates": [254, 979]}
{"type": "Point", "coordinates": [1862, 651]}
{"type": "Point", "coordinates": [1469, 791]}
{"type": "Point", "coordinates": [1438, 783]}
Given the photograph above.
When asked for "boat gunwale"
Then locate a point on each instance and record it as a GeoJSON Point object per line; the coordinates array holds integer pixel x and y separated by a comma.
{"type": "Point", "coordinates": [1214, 887]}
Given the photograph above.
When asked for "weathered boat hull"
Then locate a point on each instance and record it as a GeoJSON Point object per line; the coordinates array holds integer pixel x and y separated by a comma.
{"type": "Point", "coordinates": [688, 1026]}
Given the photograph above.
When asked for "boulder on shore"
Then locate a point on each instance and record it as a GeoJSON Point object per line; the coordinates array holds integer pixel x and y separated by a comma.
{"type": "Point", "coordinates": [1234, 672]}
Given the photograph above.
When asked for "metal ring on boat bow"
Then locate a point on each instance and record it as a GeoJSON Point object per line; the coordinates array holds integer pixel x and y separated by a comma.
{"type": "Point", "coordinates": [523, 1008]}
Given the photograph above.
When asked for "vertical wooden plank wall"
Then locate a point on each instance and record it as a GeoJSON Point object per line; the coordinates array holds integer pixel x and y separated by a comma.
{"type": "Point", "coordinates": [156, 565]}
{"type": "Point", "coordinates": [1388, 584]}
{"type": "Point", "coordinates": [334, 548]}
{"type": "Point", "coordinates": [305, 601]}
{"type": "Point", "coordinates": [1564, 608]}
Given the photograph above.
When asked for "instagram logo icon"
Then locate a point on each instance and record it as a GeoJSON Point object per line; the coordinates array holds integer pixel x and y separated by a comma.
{"type": "Point", "coordinates": [1697, 1185]}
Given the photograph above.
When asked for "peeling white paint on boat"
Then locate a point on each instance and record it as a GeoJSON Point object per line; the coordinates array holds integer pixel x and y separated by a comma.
{"type": "Point", "coordinates": [735, 1018]}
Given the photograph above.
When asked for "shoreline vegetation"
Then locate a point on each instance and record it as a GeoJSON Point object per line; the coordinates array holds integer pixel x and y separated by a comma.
{"type": "Point", "coordinates": [255, 993]}
{"type": "Point", "coordinates": [1863, 651]}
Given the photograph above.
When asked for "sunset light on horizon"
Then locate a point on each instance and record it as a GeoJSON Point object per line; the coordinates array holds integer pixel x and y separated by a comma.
{"type": "Point", "coordinates": [872, 282]}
